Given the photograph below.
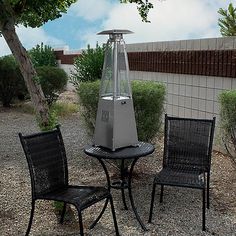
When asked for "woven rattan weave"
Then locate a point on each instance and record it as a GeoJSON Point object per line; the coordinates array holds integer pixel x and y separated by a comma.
{"type": "Point", "coordinates": [47, 163]}
{"type": "Point", "coordinates": [187, 157]}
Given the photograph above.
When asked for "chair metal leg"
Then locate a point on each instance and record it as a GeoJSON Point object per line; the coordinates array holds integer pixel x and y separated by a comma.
{"type": "Point", "coordinates": [203, 211]}
{"type": "Point", "coordinates": [208, 190]}
{"type": "Point", "coordinates": [161, 195]}
{"type": "Point", "coordinates": [114, 216]}
{"type": "Point", "coordinates": [81, 227]}
{"type": "Point", "coordinates": [31, 217]}
{"type": "Point", "coordinates": [152, 203]}
{"type": "Point", "coordinates": [63, 213]}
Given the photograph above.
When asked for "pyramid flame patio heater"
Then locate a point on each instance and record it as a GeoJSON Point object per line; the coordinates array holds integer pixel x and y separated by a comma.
{"type": "Point", "coordinates": [115, 123]}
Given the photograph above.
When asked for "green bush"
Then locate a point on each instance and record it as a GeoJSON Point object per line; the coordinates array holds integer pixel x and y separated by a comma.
{"type": "Point", "coordinates": [88, 66]}
{"type": "Point", "coordinates": [53, 121]}
{"type": "Point", "coordinates": [53, 81]}
{"type": "Point", "coordinates": [148, 106]}
{"type": "Point", "coordinates": [11, 81]}
{"type": "Point", "coordinates": [89, 94]}
{"type": "Point", "coordinates": [43, 55]}
{"type": "Point", "coordinates": [228, 120]}
{"type": "Point", "coordinates": [148, 98]}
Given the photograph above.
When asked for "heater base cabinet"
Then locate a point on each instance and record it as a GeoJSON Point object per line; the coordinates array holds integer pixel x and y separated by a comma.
{"type": "Point", "coordinates": [115, 124]}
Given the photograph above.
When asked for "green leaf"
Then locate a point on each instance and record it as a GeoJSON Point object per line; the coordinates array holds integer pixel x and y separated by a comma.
{"type": "Point", "coordinates": [142, 6]}
{"type": "Point", "coordinates": [227, 22]}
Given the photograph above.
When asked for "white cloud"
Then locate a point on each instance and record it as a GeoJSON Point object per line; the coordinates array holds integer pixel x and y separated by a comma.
{"type": "Point", "coordinates": [170, 20]}
{"type": "Point", "coordinates": [91, 9]}
{"type": "Point", "coordinates": [29, 38]}
{"type": "Point", "coordinates": [90, 37]}
{"type": "Point", "coordinates": [4, 49]}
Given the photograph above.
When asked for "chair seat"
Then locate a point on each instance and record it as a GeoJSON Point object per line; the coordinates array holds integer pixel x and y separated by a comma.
{"type": "Point", "coordinates": [47, 162]}
{"type": "Point", "coordinates": [183, 178]}
{"type": "Point", "coordinates": [80, 196]}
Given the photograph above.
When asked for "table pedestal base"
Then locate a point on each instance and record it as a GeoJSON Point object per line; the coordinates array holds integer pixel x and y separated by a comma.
{"type": "Point", "coordinates": [129, 153]}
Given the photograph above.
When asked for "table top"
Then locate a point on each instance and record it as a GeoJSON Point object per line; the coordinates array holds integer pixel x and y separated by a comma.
{"type": "Point", "coordinates": [142, 149]}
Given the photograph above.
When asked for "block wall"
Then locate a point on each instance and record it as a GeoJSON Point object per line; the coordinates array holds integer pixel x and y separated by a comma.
{"type": "Point", "coordinates": [191, 91]}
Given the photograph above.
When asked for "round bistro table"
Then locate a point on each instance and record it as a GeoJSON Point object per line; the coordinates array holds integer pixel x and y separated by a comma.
{"type": "Point", "coordinates": [131, 153]}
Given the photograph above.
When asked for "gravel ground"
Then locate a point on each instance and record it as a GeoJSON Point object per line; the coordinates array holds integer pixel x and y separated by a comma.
{"type": "Point", "coordinates": [179, 214]}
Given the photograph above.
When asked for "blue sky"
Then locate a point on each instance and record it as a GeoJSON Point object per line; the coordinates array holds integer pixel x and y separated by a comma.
{"type": "Point", "coordinates": [170, 20]}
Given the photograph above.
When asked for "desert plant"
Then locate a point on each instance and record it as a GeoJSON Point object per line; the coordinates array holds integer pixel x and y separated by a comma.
{"type": "Point", "coordinates": [11, 81]}
{"type": "Point", "coordinates": [148, 100]}
{"type": "Point", "coordinates": [88, 65]}
{"type": "Point", "coordinates": [43, 55]}
{"type": "Point", "coordinates": [228, 121]}
{"type": "Point", "coordinates": [53, 81]}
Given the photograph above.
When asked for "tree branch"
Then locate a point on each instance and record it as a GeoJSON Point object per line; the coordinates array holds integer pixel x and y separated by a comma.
{"type": "Point", "coordinates": [143, 7]}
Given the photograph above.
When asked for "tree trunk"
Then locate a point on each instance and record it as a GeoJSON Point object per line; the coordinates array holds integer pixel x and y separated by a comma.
{"type": "Point", "coordinates": [28, 72]}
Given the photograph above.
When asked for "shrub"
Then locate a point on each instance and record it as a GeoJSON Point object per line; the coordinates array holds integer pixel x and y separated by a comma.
{"type": "Point", "coordinates": [53, 121]}
{"type": "Point", "coordinates": [89, 94]}
{"type": "Point", "coordinates": [11, 81]}
{"type": "Point", "coordinates": [148, 98]}
{"type": "Point", "coordinates": [148, 106]}
{"type": "Point", "coordinates": [228, 120]}
{"type": "Point", "coordinates": [53, 80]}
{"type": "Point", "coordinates": [43, 55]}
{"type": "Point", "coordinates": [88, 66]}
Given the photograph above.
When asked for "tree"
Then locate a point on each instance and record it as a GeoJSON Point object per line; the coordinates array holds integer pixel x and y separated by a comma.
{"type": "Point", "coordinates": [43, 55]}
{"type": "Point", "coordinates": [228, 21]}
{"type": "Point", "coordinates": [34, 14]}
{"type": "Point", "coordinates": [143, 7]}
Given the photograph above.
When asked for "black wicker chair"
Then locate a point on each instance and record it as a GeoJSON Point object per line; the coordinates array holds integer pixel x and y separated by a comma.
{"type": "Point", "coordinates": [187, 157]}
{"type": "Point", "coordinates": [47, 163]}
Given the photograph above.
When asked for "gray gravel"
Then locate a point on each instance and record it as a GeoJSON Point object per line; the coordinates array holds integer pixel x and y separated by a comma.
{"type": "Point", "coordinates": [179, 214]}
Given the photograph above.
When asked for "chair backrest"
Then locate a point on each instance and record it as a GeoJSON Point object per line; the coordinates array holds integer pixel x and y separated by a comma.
{"type": "Point", "coordinates": [188, 143]}
{"type": "Point", "coordinates": [47, 162]}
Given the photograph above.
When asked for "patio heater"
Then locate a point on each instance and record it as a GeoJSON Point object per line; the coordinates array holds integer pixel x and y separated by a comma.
{"type": "Point", "coordinates": [115, 123]}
